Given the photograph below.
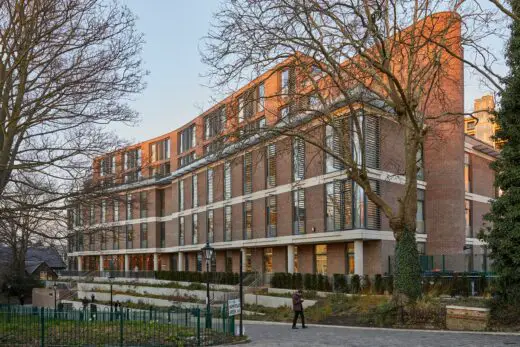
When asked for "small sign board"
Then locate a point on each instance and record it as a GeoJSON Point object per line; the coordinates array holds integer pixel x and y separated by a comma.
{"type": "Point", "coordinates": [234, 307]}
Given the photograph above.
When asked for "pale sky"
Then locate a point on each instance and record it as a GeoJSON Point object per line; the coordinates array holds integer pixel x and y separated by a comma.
{"type": "Point", "coordinates": [175, 91]}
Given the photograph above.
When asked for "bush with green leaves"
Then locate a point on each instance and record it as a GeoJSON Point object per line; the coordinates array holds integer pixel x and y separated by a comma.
{"type": "Point", "coordinates": [355, 284]}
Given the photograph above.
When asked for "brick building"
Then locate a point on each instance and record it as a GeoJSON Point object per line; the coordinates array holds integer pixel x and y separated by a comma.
{"type": "Point", "coordinates": [282, 204]}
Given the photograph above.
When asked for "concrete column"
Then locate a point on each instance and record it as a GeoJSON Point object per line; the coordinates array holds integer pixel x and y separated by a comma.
{"type": "Point", "coordinates": [290, 259]}
{"type": "Point", "coordinates": [156, 262]}
{"type": "Point", "coordinates": [358, 257]}
{"type": "Point", "coordinates": [180, 261]}
{"type": "Point", "coordinates": [127, 263]}
{"type": "Point", "coordinates": [243, 255]}
{"type": "Point", "coordinates": [80, 263]}
{"type": "Point", "coordinates": [101, 264]}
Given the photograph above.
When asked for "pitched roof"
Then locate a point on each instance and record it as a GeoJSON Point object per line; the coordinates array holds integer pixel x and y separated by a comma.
{"type": "Point", "coordinates": [36, 255]}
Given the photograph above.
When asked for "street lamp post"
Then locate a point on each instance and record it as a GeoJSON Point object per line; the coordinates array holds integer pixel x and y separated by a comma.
{"type": "Point", "coordinates": [55, 286]}
{"type": "Point", "coordinates": [208, 252]}
{"type": "Point", "coordinates": [111, 280]}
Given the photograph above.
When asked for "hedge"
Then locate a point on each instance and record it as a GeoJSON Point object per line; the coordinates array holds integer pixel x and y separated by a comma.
{"type": "Point", "coordinates": [229, 278]}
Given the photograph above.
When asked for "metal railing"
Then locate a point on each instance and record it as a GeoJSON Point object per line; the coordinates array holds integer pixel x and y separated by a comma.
{"type": "Point", "coordinates": [31, 326]}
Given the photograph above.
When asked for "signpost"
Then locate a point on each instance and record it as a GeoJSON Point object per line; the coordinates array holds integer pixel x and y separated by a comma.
{"type": "Point", "coordinates": [234, 307]}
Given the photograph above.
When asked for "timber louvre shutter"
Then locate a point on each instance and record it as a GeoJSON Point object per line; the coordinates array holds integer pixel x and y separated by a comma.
{"type": "Point", "coordinates": [372, 141]}
{"type": "Point", "coordinates": [227, 180]}
{"type": "Point", "coordinates": [373, 218]}
{"type": "Point", "coordinates": [248, 173]}
{"type": "Point", "coordinates": [298, 159]}
{"type": "Point", "coordinates": [340, 141]}
{"type": "Point", "coordinates": [299, 212]}
{"type": "Point", "coordinates": [271, 165]}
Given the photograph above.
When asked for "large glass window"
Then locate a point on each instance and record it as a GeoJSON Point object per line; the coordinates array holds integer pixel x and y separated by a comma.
{"type": "Point", "coordinates": [195, 229]}
{"type": "Point", "coordinates": [467, 172]}
{"type": "Point", "coordinates": [227, 180]}
{"type": "Point", "coordinates": [299, 212]}
{"type": "Point", "coordinates": [248, 173]}
{"type": "Point", "coordinates": [227, 223]}
{"type": "Point", "coordinates": [129, 236]}
{"type": "Point", "coordinates": [260, 97]}
{"type": "Point", "coordinates": [92, 215]}
{"type": "Point", "coordinates": [160, 150]}
{"type": "Point", "coordinates": [359, 206]}
{"type": "Point", "coordinates": [116, 210]}
{"type": "Point", "coordinates": [194, 190]}
{"type": "Point", "coordinates": [187, 139]}
{"type": "Point", "coordinates": [143, 205]}
{"type": "Point", "coordinates": [162, 234]}
{"type": "Point", "coordinates": [144, 235]}
{"type": "Point", "coordinates": [181, 195]}
{"type": "Point", "coordinates": [249, 261]}
{"type": "Point", "coordinates": [420, 212]}
{"type": "Point", "coordinates": [268, 260]}
{"type": "Point", "coordinates": [320, 259]}
{"type": "Point", "coordinates": [129, 206]}
{"type": "Point", "coordinates": [338, 208]}
{"type": "Point", "coordinates": [272, 216]}
{"type": "Point", "coordinates": [214, 123]}
{"type": "Point", "coordinates": [132, 163]}
{"type": "Point", "coordinates": [229, 261]}
{"type": "Point", "coordinates": [210, 185]}
{"type": "Point", "coordinates": [331, 143]}
{"type": "Point", "coordinates": [103, 211]}
{"type": "Point", "coordinates": [271, 166]}
{"type": "Point", "coordinates": [285, 81]}
{"type": "Point", "coordinates": [298, 154]}
{"type": "Point", "coordinates": [186, 159]}
{"type": "Point", "coordinates": [108, 166]}
{"type": "Point", "coordinates": [468, 218]}
{"type": "Point", "coordinates": [248, 220]}
{"type": "Point", "coordinates": [162, 203]}
{"type": "Point", "coordinates": [115, 237]}
{"type": "Point", "coordinates": [210, 229]}
{"type": "Point", "coordinates": [181, 231]}
{"type": "Point", "coordinates": [351, 265]}
{"type": "Point", "coordinates": [199, 262]}
{"type": "Point", "coordinates": [296, 261]}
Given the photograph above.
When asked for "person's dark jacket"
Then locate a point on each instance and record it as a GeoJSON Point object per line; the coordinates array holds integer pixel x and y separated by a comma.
{"type": "Point", "coordinates": [297, 302]}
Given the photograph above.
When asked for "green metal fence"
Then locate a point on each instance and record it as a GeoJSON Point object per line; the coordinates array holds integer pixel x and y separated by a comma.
{"type": "Point", "coordinates": [28, 326]}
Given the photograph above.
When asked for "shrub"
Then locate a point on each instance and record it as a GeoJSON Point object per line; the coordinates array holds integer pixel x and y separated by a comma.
{"type": "Point", "coordinates": [366, 285]}
{"type": "Point", "coordinates": [340, 283]}
{"type": "Point", "coordinates": [355, 284]}
{"type": "Point", "coordinates": [308, 282]}
{"type": "Point", "coordinates": [297, 281]}
{"type": "Point", "coordinates": [388, 284]}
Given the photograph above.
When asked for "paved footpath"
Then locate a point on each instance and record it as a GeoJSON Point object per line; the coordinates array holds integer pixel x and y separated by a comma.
{"type": "Point", "coordinates": [281, 334]}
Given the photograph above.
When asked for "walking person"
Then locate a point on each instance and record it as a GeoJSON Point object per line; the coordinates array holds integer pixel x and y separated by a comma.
{"type": "Point", "coordinates": [298, 308]}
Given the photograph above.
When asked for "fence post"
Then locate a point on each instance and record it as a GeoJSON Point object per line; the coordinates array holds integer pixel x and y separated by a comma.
{"type": "Point", "coordinates": [223, 316]}
{"type": "Point", "coordinates": [42, 327]}
{"type": "Point", "coordinates": [198, 327]}
{"type": "Point", "coordinates": [121, 330]}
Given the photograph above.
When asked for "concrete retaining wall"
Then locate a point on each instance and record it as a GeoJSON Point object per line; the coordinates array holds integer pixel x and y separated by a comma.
{"type": "Point", "coordinates": [466, 318]}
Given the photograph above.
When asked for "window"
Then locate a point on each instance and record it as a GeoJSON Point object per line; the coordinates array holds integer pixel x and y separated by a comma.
{"type": "Point", "coordinates": [144, 235]}
{"type": "Point", "coordinates": [199, 262]}
{"type": "Point", "coordinates": [296, 268]}
{"type": "Point", "coordinates": [314, 102]}
{"type": "Point", "coordinates": [160, 170]}
{"type": "Point", "coordinates": [248, 173]}
{"type": "Point", "coordinates": [227, 180]}
{"type": "Point", "coordinates": [271, 166]}
{"type": "Point", "coordinates": [359, 206]}
{"type": "Point", "coordinates": [181, 231]}
{"type": "Point", "coordinates": [216, 146]}
{"type": "Point", "coordinates": [186, 159]}
{"type": "Point", "coordinates": [420, 164]}
{"type": "Point", "coordinates": [195, 190]}
{"type": "Point", "coordinates": [214, 263]}
{"type": "Point", "coordinates": [420, 212]}
{"type": "Point", "coordinates": [298, 155]}
{"type": "Point", "coordinates": [248, 220]}
{"type": "Point", "coordinates": [195, 228]}
{"type": "Point", "coordinates": [161, 203]}
{"type": "Point", "coordinates": [160, 150]}
{"type": "Point", "coordinates": [143, 205]}
{"type": "Point", "coordinates": [187, 139]}
{"type": "Point", "coordinates": [108, 166]}
{"type": "Point", "coordinates": [132, 161]}
{"type": "Point", "coordinates": [103, 239]}
{"type": "Point", "coordinates": [338, 205]}
{"type": "Point", "coordinates": [229, 261]}
{"type": "Point", "coordinates": [467, 172]}
{"type": "Point", "coordinates": [227, 223]}
{"type": "Point", "coordinates": [115, 237]}
{"type": "Point", "coordinates": [210, 226]}
{"type": "Point", "coordinates": [162, 234]}
{"type": "Point", "coordinates": [129, 236]}
{"type": "Point", "coordinates": [249, 262]}
{"type": "Point", "coordinates": [253, 127]}
{"type": "Point", "coordinates": [91, 240]}
{"type": "Point", "coordinates": [116, 210]}
{"type": "Point", "coordinates": [284, 112]}
{"type": "Point", "coordinates": [332, 143]}
{"type": "Point", "coordinates": [260, 97]}
{"type": "Point", "coordinates": [246, 105]}
{"type": "Point", "coordinates": [320, 259]}
{"type": "Point", "coordinates": [103, 211]}
{"type": "Point", "coordinates": [299, 212]}
{"type": "Point", "coordinates": [187, 262]}
{"type": "Point", "coordinates": [268, 260]}
{"type": "Point", "coordinates": [181, 195]}
{"type": "Point", "coordinates": [214, 123]}
{"type": "Point", "coordinates": [210, 185]}
{"type": "Point", "coordinates": [129, 206]}
{"type": "Point", "coordinates": [468, 218]}
{"type": "Point", "coordinates": [272, 216]}
{"type": "Point", "coordinates": [351, 265]}
{"type": "Point", "coordinates": [92, 215]}
{"type": "Point", "coordinates": [285, 81]}
{"type": "Point", "coordinates": [240, 108]}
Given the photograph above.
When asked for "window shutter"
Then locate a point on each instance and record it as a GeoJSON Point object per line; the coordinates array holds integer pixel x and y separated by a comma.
{"type": "Point", "coordinates": [340, 141]}
{"type": "Point", "coordinates": [271, 165]}
{"type": "Point", "coordinates": [299, 211]}
{"type": "Point", "coordinates": [337, 200]}
{"type": "Point", "coordinates": [248, 173]}
{"type": "Point", "coordinates": [227, 180]}
{"type": "Point", "coordinates": [272, 216]}
{"type": "Point", "coordinates": [373, 213]}
{"type": "Point", "coordinates": [346, 207]}
{"type": "Point", "coordinates": [298, 159]}
{"type": "Point", "coordinates": [372, 141]}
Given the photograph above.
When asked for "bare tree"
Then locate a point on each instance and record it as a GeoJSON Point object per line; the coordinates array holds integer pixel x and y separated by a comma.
{"type": "Point", "coordinates": [67, 69]}
{"type": "Point", "coordinates": [394, 61]}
